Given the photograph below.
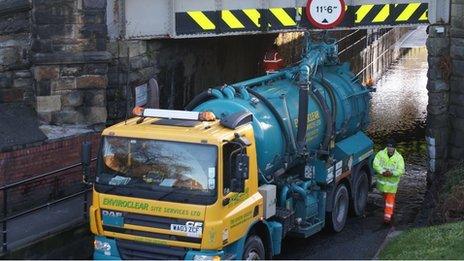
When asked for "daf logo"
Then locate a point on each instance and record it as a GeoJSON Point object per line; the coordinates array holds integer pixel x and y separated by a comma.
{"type": "Point", "coordinates": [111, 213]}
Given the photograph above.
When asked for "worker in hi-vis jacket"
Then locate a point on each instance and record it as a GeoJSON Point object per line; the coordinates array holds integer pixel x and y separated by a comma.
{"type": "Point", "coordinates": [389, 167]}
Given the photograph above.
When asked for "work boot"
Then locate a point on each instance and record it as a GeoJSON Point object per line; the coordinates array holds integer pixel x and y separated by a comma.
{"type": "Point", "coordinates": [388, 221]}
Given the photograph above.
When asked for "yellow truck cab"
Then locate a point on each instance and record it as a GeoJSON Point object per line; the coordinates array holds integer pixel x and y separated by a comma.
{"type": "Point", "coordinates": [165, 191]}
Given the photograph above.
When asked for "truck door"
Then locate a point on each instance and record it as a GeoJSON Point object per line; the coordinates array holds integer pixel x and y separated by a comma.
{"type": "Point", "coordinates": [239, 213]}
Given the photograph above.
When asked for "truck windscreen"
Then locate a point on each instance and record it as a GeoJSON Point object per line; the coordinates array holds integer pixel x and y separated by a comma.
{"type": "Point", "coordinates": [162, 170]}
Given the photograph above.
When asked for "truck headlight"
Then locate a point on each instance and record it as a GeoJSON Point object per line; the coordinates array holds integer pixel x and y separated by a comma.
{"type": "Point", "coordinates": [206, 258]}
{"type": "Point", "coordinates": [102, 246]}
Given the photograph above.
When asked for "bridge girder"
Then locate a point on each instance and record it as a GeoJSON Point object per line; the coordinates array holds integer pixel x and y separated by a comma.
{"type": "Point", "coordinates": [148, 19]}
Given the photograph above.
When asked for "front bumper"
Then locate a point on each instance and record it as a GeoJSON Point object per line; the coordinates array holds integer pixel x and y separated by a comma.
{"type": "Point", "coordinates": [153, 252]}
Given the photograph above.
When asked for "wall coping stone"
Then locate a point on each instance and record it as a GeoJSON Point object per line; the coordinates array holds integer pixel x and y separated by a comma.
{"type": "Point", "coordinates": [48, 141]}
{"type": "Point", "coordinates": [71, 58]}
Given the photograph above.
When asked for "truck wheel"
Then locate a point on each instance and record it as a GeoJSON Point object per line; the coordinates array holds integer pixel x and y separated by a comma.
{"type": "Point", "coordinates": [254, 249]}
{"type": "Point", "coordinates": [361, 191]}
{"type": "Point", "coordinates": [337, 218]}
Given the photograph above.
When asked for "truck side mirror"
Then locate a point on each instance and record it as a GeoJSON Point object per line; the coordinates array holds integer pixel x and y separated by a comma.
{"type": "Point", "coordinates": [241, 173]}
{"type": "Point", "coordinates": [86, 152]}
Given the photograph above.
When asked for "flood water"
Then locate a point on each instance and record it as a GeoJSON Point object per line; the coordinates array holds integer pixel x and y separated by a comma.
{"type": "Point", "coordinates": [399, 106]}
{"type": "Point", "coordinates": [399, 111]}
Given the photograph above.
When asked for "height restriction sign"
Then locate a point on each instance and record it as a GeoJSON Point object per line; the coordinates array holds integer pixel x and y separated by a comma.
{"type": "Point", "coordinates": [325, 14]}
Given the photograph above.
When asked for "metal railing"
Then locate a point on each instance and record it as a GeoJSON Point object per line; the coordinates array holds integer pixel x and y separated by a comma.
{"type": "Point", "coordinates": [389, 49]}
{"type": "Point", "coordinates": [4, 189]}
{"type": "Point", "coordinates": [351, 41]}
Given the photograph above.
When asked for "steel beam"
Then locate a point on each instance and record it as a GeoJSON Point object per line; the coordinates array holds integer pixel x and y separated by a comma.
{"type": "Point", "coordinates": [146, 19]}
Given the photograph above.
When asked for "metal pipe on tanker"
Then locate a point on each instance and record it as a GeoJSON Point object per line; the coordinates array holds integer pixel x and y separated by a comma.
{"type": "Point", "coordinates": [229, 92]}
{"type": "Point", "coordinates": [283, 196]}
{"type": "Point", "coordinates": [302, 193]}
{"type": "Point", "coordinates": [304, 84]}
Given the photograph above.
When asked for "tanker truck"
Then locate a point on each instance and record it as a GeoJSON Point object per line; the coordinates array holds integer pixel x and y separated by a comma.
{"type": "Point", "coordinates": [245, 166]}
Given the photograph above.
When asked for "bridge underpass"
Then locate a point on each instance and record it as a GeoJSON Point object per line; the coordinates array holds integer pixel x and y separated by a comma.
{"type": "Point", "coordinates": [228, 18]}
{"type": "Point", "coordinates": [145, 51]}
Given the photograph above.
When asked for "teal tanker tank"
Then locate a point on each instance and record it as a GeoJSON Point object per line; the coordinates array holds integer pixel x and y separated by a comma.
{"type": "Point", "coordinates": [336, 102]}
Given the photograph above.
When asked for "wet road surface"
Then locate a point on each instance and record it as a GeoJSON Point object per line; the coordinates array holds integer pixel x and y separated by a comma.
{"type": "Point", "coordinates": [398, 110]}
{"type": "Point", "coordinates": [360, 239]}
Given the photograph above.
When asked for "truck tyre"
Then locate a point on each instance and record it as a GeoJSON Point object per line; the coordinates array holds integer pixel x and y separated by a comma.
{"type": "Point", "coordinates": [254, 249]}
{"type": "Point", "coordinates": [361, 190]}
{"type": "Point", "coordinates": [337, 217]}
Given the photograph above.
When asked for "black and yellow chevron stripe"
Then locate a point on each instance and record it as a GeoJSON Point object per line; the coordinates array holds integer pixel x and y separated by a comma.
{"type": "Point", "coordinates": [391, 14]}
{"type": "Point", "coordinates": [227, 21]}
{"type": "Point", "coordinates": [278, 19]}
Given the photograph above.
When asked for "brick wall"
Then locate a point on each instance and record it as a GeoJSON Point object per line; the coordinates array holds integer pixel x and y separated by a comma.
{"type": "Point", "coordinates": [35, 160]}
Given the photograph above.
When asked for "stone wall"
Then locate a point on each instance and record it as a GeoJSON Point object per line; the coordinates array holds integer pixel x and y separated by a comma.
{"type": "Point", "coordinates": [70, 61]}
{"type": "Point", "coordinates": [456, 109]}
{"type": "Point", "coordinates": [15, 42]}
{"type": "Point", "coordinates": [445, 129]}
{"type": "Point", "coordinates": [438, 107]}
{"type": "Point", "coordinates": [53, 57]}
{"type": "Point", "coordinates": [133, 58]}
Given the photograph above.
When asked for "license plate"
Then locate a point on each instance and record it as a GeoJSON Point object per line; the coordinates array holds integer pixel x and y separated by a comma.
{"type": "Point", "coordinates": [191, 231]}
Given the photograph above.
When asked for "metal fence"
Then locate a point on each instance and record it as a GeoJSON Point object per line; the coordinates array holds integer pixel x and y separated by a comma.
{"type": "Point", "coordinates": [6, 188]}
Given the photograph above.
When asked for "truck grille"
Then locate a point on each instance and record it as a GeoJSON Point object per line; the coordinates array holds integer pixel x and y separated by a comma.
{"type": "Point", "coordinates": [139, 250]}
{"type": "Point", "coordinates": [152, 222]}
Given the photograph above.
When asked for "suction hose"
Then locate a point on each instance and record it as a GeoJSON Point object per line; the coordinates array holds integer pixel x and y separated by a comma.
{"type": "Point", "coordinates": [199, 99]}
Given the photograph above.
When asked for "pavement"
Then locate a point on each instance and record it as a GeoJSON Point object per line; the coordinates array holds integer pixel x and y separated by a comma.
{"type": "Point", "coordinates": [51, 220]}
{"type": "Point", "coordinates": [416, 38]}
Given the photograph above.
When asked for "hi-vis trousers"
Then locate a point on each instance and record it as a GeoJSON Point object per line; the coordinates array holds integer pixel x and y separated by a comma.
{"type": "Point", "coordinates": [389, 206]}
